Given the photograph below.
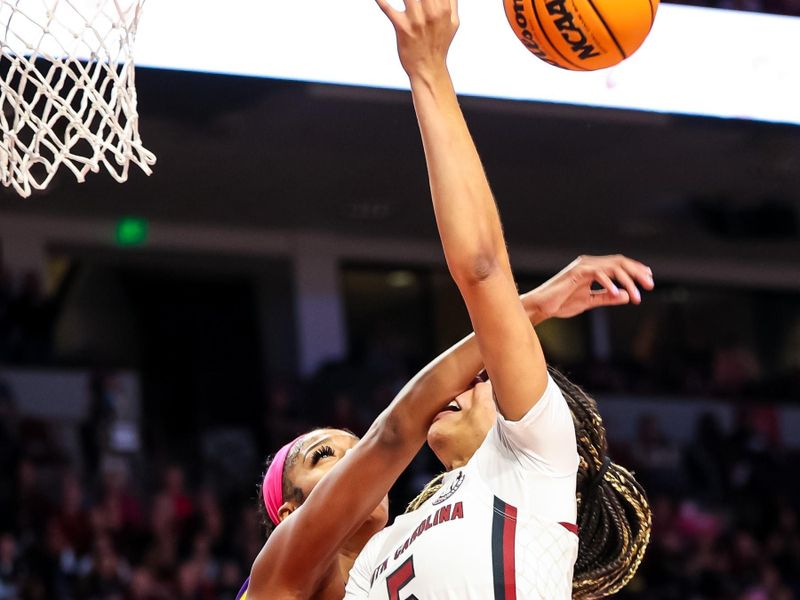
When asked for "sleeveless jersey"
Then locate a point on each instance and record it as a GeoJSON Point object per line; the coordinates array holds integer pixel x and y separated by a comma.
{"type": "Point", "coordinates": [501, 527]}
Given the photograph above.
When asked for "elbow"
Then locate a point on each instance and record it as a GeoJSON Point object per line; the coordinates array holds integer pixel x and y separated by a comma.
{"type": "Point", "coordinates": [477, 269]}
{"type": "Point", "coordinates": [390, 429]}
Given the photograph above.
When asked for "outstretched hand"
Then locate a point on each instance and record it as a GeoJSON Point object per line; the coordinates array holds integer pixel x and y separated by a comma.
{"type": "Point", "coordinates": [425, 30]}
{"type": "Point", "coordinates": [570, 292]}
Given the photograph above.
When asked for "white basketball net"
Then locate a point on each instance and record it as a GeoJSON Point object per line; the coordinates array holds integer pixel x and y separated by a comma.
{"type": "Point", "coordinates": [67, 90]}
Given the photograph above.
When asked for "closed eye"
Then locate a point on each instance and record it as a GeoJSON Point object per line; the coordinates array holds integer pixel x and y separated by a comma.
{"type": "Point", "coordinates": [321, 453]}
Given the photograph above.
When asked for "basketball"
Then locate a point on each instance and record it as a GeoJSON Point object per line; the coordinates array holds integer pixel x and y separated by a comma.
{"type": "Point", "coordinates": [582, 35]}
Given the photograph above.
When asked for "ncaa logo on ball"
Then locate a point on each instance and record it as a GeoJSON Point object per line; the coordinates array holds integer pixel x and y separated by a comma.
{"type": "Point", "coordinates": [581, 35]}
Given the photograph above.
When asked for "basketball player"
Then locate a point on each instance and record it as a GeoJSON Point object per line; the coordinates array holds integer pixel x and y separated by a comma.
{"type": "Point", "coordinates": [504, 521]}
{"type": "Point", "coordinates": [314, 536]}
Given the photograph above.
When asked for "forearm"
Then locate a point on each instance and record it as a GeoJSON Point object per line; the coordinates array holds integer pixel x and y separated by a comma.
{"type": "Point", "coordinates": [466, 214]}
{"type": "Point", "coordinates": [410, 414]}
{"type": "Point", "coordinates": [421, 399]}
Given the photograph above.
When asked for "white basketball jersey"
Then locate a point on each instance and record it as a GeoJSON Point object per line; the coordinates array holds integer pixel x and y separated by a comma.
{"type": "Point", "coordinates": [502, 527]}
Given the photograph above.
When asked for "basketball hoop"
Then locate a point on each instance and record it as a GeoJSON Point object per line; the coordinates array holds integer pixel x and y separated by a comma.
{"type": "Point", "coordinates": [67, 90]}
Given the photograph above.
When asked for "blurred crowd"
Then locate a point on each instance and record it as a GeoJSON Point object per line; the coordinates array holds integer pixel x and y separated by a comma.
{"type": "Point", "coordinates": [725, 513]}
{"type": "Point", "coordinates": [780, 7]}
{"type": "Point", "coordinates": [685, 366]}
{"type": "Point", "coordinates": [178, 518]}
{"type": "Point", "coordinates": [127, 530]}
{"type": "Point", "coordinates": [142, 527]}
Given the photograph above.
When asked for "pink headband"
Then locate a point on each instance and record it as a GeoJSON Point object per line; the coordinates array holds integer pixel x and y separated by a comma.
{"type": "Point", "coordinates": [273, 482]}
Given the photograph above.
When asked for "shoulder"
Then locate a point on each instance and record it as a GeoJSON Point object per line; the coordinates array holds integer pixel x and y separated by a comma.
{"type": "Point", "coordinates": [369, 554]}
{"type": "Point", "coordinates": [372, 549]}
{"type": "Point", "coordinates": [551, 401]}
{"type": "Point", "coordinates": [359, 580]}
{"type": "Point", "coordinates": [543, 440]}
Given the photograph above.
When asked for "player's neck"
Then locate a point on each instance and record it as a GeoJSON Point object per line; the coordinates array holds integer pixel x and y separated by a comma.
{"type": "Point", "coordinates": [458, 462]}
{"type": "Point", "coordinates": [449, 456]}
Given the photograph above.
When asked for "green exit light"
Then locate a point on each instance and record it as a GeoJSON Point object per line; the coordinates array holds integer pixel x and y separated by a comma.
{"type": "Point", "coordinates": [131, 231]}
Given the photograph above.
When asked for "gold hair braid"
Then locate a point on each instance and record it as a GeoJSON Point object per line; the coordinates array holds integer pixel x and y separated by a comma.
{"type": "Point", "coordinates": [433, 486]}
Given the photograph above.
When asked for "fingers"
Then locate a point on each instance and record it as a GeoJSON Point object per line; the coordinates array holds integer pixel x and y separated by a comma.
{"type": "Point", "coordinates": [417, 11]}
{"type": "Point", "coordinates": [454, 18]}
{"type": "Point", "coordinates": [642, 273]}
{"type": "Point", "coordinates": [414, 7]}
{"type": "Point", "coordinates": [387, 9]}
{"type": "Point", "coordinates": [604, 280]}
{"type": "Point", "coordinates": [627, 273]}
{"type": "Point", "coordinates": [604, 298]}
{"type": "Point", "coordinates": [438, 10]}
{"type": "Point", "coordinates": [432, 8]}
{"type": "Point", "coordinates": [625, 280]}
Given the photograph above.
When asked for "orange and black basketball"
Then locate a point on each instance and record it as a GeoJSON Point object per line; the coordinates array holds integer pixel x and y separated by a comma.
{"type": "Point", "coordinates": [582, 35]}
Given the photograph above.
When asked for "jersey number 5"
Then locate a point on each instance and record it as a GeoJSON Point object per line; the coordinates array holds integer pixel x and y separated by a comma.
{"type": "Point", "coordinates": [399, 579]}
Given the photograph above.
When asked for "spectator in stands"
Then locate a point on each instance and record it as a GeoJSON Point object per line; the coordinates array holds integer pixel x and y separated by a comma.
{"type": "Point", "coordinates": [752, 466]}
{"type": "Point", "coordinates": [73, 518]}
{"type": "Point", "coordinates": [230, 579]}
{"type": "Point", "coordinates": [191, 584]}
{"type": "Point", "coordinates": [9, 567]}
{"type": "Point", "coordinates": [143, 586]}
{"type": "Point", "coordinates": [283, 416]}
{"type": "Point", "coordinates": [105, 575]}
{"type": "Point", "coordinates": [345, 413]}
{"type": "Point", "coordinates": [123, 513]}
{"type": "Point", "coordinates": [657, 460]}
{"type": "Point", "coordinates": [736, 368]}
{"type": "Point", "coordinates": [32, 504]}
{"type": "Point", "coordinates": [61, 560]}
{"type": "Point", "coordinates": [161, 557]}
{"type": "Point", "coordinates": [706, 457]}
{"type": "Point", "coordinates": [174, 492]}
{"type": "Point", "coordinates": [212, 522]}
{"type": "Point", "coordinates": [203, 560]}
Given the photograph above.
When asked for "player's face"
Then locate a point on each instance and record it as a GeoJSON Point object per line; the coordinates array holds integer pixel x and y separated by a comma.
{"type": "Point", "coordinates": [320, 452]}
{"type": "Point", "coordinates": [458, 431]}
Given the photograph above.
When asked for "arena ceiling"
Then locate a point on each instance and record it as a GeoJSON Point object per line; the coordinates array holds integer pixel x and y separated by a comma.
{"type": "Point", "coordinates": [257, 153]}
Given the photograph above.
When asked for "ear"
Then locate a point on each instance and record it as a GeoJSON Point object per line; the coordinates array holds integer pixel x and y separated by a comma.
{"type": "Point", "coordinates": [286, 509]}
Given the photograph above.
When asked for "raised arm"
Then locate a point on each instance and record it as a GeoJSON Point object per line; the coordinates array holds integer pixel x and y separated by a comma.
{"type": "Point", "coordinates": [466, 214]}
{"type": "Point", "coordinates": [301, 549]}
{"type": "Point", "coordinates": [347, 495]}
